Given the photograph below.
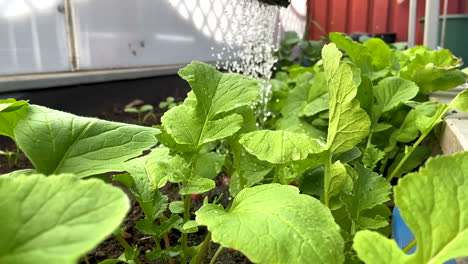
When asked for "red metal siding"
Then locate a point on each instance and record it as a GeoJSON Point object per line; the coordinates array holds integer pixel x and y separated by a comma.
{"type": "Point", "coordinates": [373, 16]}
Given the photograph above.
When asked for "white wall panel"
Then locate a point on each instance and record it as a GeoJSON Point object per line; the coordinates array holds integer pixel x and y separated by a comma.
{"type": "Point", "coordinates": [32, 37]}
{"type": "Point", "coordinates": [129, 33]}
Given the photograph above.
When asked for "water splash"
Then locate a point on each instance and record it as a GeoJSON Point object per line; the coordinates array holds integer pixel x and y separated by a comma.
{"type": "Point", "coordinates": [249, 48]}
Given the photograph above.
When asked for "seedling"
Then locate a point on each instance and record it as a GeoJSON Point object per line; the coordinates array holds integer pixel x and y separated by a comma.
{"type": "Point", "coordinates": [169, 103]}
{"type": "Point", "coordinates": [148, 109]}
{"type": "Point", "coordinates": [12, 157]}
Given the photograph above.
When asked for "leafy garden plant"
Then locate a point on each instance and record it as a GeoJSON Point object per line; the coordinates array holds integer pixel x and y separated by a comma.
{"type": "Point", "coordinates": [343, 132]}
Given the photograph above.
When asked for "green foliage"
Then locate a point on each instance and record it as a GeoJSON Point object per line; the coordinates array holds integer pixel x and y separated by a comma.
{"type": "Point", "coordinates": [58, 142]}
{"type": "Point", "coordinates": [309, 51]}
{"type": "Point", "coordinates": [432, 204]}
{"type": "Point", "coordinates": [11, 111]}
{"type": "Point", "coordinates": [280, 147]}
{"type": "Point", "coordinates": [341, 131]}
{"type": "Point", "coordinates": [216, 94]}
{"type": "Point", "coordinates": [56, 219]}
{"type": "Point", "coordinates": [275, 224]}
{"type": "Point", "coordinates": [349, 124]}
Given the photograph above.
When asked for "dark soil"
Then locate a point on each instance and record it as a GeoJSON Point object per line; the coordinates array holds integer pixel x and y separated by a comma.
{"type": "Point", "coordinates": [110, 248]}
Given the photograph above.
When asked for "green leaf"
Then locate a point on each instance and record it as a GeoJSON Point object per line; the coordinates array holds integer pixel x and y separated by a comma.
{"type": "Point", "coordinates": [408, 130]}
{"type": "Point", "coordinates": [209, 165]}
{"type": "Point", "coordinates": [460, 102]}
{"type": "Point", "coordinates": [391, 92]}
{"type": "Point", "coordinates": [348, 124]}
{"type": "Point", "coordinates": [433, 205]}
{"type": "Point", "coordinates": [273, 223]}
{"type": "Point", "coordinates": [369, 191]}
{"type": "Point", "coordinates": [142, 185]}
{"type": "Point", "coordinates": [365, 94]}
{"type": "Point", "coordinates": [316, 106]}
{"type": "Point", "coordinates": [56, 219]}
{"type": "Point", "coordinates": [348, 156]}
{"type": "Point", "coordinates": [339, 180]}
{"type": "Point", "coordinates": [58, 142]}
{"type": "Point", "coordinates": [418, 157]}
{"type": "Point", "coordinates": [186, 126]}
{"type": "Point", "coordinates": [433, 70]}
{"type": "Point", "coordinates": [11, 111]}
{"type": "Point", "coordinates": [197, 185]}
{"type": "Point", "coordinates": [358, 53]}
{"type": "Point", "coordinates": [176, 207]}
{"type": "Point", "coordinates": [190, 227]}
{"type": "Point", "coordinates": [280, 147]}
{"type": "Point", "coordinates": [253, 171]}
{"type": "Point", "coordinates": [216, 93]}
{"type": "Point", "coordinates": [372, 155]}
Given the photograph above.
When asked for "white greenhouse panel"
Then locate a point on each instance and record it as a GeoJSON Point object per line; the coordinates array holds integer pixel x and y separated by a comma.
{"type": "Point", "coordinates": [32, 37]}
{"type": "Point", "coordinates": [129, 33]}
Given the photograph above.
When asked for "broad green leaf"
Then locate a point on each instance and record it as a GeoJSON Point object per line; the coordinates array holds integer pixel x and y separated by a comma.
{"type": "Point", "coordinates": [296, 100]}
{"type": "Point", "coordinates": [460, 102]}
{"type": "Point", "coordinates": [358, 53]}
{"type": "Point", "coordinates": [408, 130]}
{"type": "Point", "coordinates": [369, 191]}
{"type": "Point", "coordinates": [19, 172]}
{"type": "Point", "coordinates": [215, 93]}
{"type": "Point", "coordinates": [280, 147]}
{"type": "Point", "coordinates": [318, 86]}
{"type": "Point", "coordinates": [209, 165]}
{"type": "Point", "coordinates": [186, 126]}
{"type": "Point", "coordinates": [295, 124]}
{"type": "Point", "coordinates": [152, 202]}
{"type": "Point", "coordinates": [433, 70]}
{"type": "Point", "coordinates": [365, 94]}
{"type": "Point", "coordinates": [381, 53]}
{"type": "Point", "coordinates": [56, 219]}
{"type": "Point", "coordinates": [316, 106]}
{"type": "Point", "coordinates": [339, 181]}
{"type": "Point", "coordinates": [11, 111]}
{"type": "Point", "coordinates": [146, 170]}
{"type": "Point", "coordinates": [58, 142]}
{"type": "Point", "coordinates": [176, 207]}
{"type": "Point", "coordinates": [273, 223]}
{"type": "Point", "coordinates": [348, 124]}
{"type": "Point", "coordinates": [433, 205]}
{"type": "Point", "coordinates": [253, 171]}
{"type": "Point", "coordinates": [196, 185]}
{"type": "Point", "coordinates": [391, 92]}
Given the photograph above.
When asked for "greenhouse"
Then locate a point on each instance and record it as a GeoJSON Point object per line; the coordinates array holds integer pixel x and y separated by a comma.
{"type": "Point", "coordinates": [233, 131]}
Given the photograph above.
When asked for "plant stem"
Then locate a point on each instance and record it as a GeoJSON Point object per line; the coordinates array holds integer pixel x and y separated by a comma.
{"type": "Point", "coordinates": [215, 256]}
{"type": "Point", "coordinates": [185, 235]}
{"type": "Point", "coordinates": [409, 246]}
{"type": "Point", "coordinates": [275, 177]}
{"type": "Point", "coordinates": [327, 178]}
{"type": "Point", "coordinates": [167, 243]}
{"type": "Point", "coordinates": [407, 155]}
{"type": "Point", "coordinates": [126, 246]}
{"type": "Point", "coordinates": [203, 249]}
{"type": "Point", "coordinates": [237, 157]}
{"type": "Point", "coordinates": [187, 200]}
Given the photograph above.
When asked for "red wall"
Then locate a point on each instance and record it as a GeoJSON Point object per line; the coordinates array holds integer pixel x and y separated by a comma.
{"type": "Point", "coordinates": [373, 16]}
